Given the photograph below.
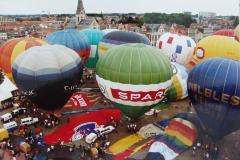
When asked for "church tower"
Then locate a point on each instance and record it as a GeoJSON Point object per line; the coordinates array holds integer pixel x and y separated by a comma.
{"type": "Point", "coordinates": [80, 13]}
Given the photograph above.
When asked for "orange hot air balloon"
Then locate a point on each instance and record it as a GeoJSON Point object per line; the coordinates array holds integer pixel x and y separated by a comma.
{"type": "Point", "coordinates": [12, 48]}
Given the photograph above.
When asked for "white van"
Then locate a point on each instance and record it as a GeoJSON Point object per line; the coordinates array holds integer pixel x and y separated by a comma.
{"type": "Point", "coordinates": [90, 138]}
{"type": "Point", "coordinates": [6, 117]}
{"type": "Point", "coordinates": [18, 111]}
{"type": "Point", "coordinates": [28, 121]}
{"type": "Point", "coordinates": [10, 126]}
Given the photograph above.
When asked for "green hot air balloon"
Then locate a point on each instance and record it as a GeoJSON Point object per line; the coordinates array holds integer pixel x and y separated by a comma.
{"type": "Point", "coordinates": [135, 77]}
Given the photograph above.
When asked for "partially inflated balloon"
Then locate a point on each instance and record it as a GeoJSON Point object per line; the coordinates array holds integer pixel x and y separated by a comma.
{"type": "Point", "coordinates": [135, 77]}
{"type": "Point", "coordinates": [178, 48]}
{"type": "Point", "coordinates": [48, 74]}
{"type": "Point", "coordinates": [120, 37]}
{"type": "Point", "coordinates": [94, 36]}
{"type": "Point", "coordinates": [225, 32]}
{"type": "Point", "coordinates": [215, 46]}
{"type": "Point", "coordinates": [14, 47]}
{"type": "Point", "coordinates": [73, 39]}
{"type": "Point", "coordinates": [213, 87]}
{"type": "Point", "coordinates": [178, 89]}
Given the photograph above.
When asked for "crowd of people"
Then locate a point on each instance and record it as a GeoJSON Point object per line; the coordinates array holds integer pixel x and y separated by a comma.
{"type": "Point", "coordinates": [208, 151]}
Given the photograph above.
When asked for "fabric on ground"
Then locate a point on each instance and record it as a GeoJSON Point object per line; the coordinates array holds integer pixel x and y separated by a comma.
{"type": "Point", "coordinates": [149, 130]}
{"type": "Point", "coordinates": [129, 152]}
{"type": "Point", "coordinates": [125, 143]}
{"type": "Point", "coordinates": [176, 138]}
{"type": "Point", "coordinates": [75, 127]}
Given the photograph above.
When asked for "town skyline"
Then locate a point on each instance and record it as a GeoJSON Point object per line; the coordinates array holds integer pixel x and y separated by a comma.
{"type": "Point", "coordinates": [25, 7]}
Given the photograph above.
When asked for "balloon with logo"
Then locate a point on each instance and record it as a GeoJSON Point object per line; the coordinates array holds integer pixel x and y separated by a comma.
{"type": "Point", "coordinates": [178, 88]}
{"type": "Point", "coordinates": [215, 46]}
{"type": "Point", "coordinates": [94, 36]}
{"type": "Point", "coordinates": [135, 77]}
{"type": "Point", "coordinates": [14, 47]}
{"type": "Point", "coordinates": [120, 37]}
{"type": "Point", "coordinates": [48, 74]}
{"type": "Point", "coordinates": [73, 39]}
{"type": "Point", "coordinates": [178, 48]}
{"type": "Point", "coordinates": [213, 87]}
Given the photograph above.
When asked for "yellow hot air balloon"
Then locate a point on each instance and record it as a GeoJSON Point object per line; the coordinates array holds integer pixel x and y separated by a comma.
{"type": "Point", "coordinates": [215, 46]}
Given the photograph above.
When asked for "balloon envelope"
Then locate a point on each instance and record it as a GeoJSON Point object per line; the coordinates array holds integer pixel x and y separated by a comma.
{"type": "Point", "coordinates": [73, 39]}
{"type": "Point", "coordinates": [48, 74]}
{"type": "Point", "coordinates": [178, 48]}
{"type": "Point", "coordinates": [120, 37]}
{"type": "Point", "coordinates": [135, 77]}
{"type": "Point", "coordinates": [94, 36]}
{"type": "Point", "coordinates": [225, 32]}
{"type": "Point", "coordinates": [213, 87]}
{"type": "Point", "coordinates": [215, 46]}
{"type": "Point", "coordinates": [14, 47]}
{"type": "Point", "coordinates": [178, 88]}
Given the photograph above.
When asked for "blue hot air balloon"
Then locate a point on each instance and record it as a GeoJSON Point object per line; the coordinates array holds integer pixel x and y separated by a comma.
{"type": "Point", "coordinates": [115, 38]}
{"type": "Point", "coordinates": [73, 39]}
{"type": "Point", "coordinates": [48, 74]}
{"type": "Point", "coordinates": [214, 89]}
{"type": "Point", "coordinates": [94, 36]}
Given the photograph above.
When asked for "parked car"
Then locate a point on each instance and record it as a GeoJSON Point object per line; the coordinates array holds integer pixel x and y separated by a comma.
{"type": "Point", "coordinates": [18, 111]}
{"type": "Point", "coordinates": [28, 121]}
{"type": "Point", "coordinates": [10, 126]}
{"type": "Point", "coordinates": [90, 138]}
{"type": "Point", "coordinates": [6, 117]}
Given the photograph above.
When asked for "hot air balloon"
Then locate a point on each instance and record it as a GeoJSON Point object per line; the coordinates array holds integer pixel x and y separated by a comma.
{"type": "Point", "coordinates": [73, 39]}
{"type": "Point", "coordinates": [94, 36]}
{"type": "Point", "coordinates": [135, 77]}
{"type": "Point", "coordinates": [106, 31]}
{"type": "Point", "coordinates": [48, 74]}
{"type": "Point", "coordinates": [120, 37]}
{"type": "Point", "coordinates": [213, 87]}
{"type": "Point", "coordinates": [225, 32]}
{"type": "Point", "coordinates": [178, 89]}
{"type": "Point", "coordinates": [215, 46]}
{"type": "Point", "coordinates": [237, 33]}
{"type": "Point", "coordinates": [12, 48]}
{"type": "Point", "coordinates": [178, 48]}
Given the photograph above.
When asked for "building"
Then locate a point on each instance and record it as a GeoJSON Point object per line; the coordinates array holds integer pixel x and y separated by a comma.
{"type": "Point", "coordinates": [153, 32]}
{"type": "Point", "coordinates": [207, 15]}
{"type": "Point", "coordinates": [6, 20]}
{"type": "Point", "coordinates": [3, 36]}
{"type": "Point", "coordinates": [81, 20]}
{"type": "Point", "coordinates": [178, 29]}
{"type": "Point", "coordinates": [89, 22]}
{"type": "Point", "coordinates": [187, 13]}
{"type": "Point", "coordinates": [80, 13]}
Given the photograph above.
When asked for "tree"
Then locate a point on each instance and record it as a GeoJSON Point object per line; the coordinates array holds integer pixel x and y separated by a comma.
{"type": "Point", "coordinates": [236, 22]}
{"type": "Point", "coordinates": [178, 18]}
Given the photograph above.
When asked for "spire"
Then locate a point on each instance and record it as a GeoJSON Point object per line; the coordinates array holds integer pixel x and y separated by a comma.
{"type": "Point", "coordinates": [80, 13]}
{"type": "Point", "coordinates": [80, 8]}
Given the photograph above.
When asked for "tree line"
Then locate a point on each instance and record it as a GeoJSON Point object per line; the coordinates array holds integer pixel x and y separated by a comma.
{"type": "Point", "coordinates": [163, 18]}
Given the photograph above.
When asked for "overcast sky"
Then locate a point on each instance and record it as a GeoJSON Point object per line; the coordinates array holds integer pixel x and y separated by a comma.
{"type": "Point", "coordinates": [221, 7]}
